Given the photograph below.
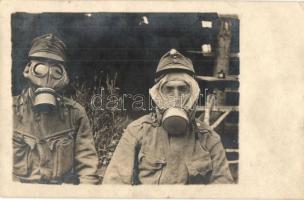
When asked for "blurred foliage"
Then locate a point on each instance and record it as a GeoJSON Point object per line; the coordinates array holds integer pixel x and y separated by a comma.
{"type": "Point", "coordinates": [107, 124]}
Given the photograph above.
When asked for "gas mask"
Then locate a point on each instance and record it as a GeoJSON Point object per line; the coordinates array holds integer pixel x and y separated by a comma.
{"type": "Point", "coordinates": [175, 96]}
{"type": "Point", "coordinates": [47, 77]}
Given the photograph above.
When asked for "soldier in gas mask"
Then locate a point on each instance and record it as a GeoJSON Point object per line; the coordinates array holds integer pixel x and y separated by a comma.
{"type": "Point", "coordinates": [52, 140]}
{"type": "Point", "coordinates": [169, 146]}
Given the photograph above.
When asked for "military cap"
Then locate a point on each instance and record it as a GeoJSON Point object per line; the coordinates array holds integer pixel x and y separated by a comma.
{"type": "Point", "coordinates": [48, 46]}
{"type": "Point", "coordinates": [173, 60]}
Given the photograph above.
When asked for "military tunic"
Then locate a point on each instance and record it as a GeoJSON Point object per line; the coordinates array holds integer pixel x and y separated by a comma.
{"type": "Point", "coordinates": [53, 147]}
{"type": "Point", "coordinates": [146, 154]}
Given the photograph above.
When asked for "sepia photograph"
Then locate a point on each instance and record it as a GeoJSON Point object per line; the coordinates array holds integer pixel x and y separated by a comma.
{"type": "Point", "coordinates": [151, 99]}
{"type": "Point", "coordinates": [125, 98]}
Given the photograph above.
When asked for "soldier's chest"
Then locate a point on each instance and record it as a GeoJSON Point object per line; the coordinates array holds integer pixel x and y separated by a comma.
{"type": "Point", "coordinates": [43, 125]}
{"type": "Point", "coordinates": [159, 144]}
{"type": "Point", "coordinates": [169, 160]}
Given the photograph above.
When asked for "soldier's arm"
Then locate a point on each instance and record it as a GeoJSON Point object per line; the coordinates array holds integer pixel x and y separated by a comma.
{"type": "Point", "coordinates": [86, 159]}
{"type": "Point", "coordinates": [220, 172]}
{"type": "Point", "coordinates": [120, 169]}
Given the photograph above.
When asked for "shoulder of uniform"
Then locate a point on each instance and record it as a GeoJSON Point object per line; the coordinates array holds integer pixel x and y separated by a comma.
{"type": "Point", "coordinates": [138, 128]}
{"type": "Point", "coordinates": [146, 119]}
{"type": "Point", "coordinates": [207, 135]}
{"type": "Point", "coordinates": [69, 102]}
{"type": "Point", "coordinates": [72, 103]}
{"type": "Point", "coordinates": [16, 100]}
{"type": "Point", "coordinates": [204, 128]}
{"type": "Point", "coordinates": [76, 107]}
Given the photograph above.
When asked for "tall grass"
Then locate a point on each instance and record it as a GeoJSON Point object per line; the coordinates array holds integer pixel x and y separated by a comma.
{"type": "Point", "coordinates": [107, 124]}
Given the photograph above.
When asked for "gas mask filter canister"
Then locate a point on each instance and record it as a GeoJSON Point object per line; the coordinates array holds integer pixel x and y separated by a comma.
{"type": "Point", "coordinates": [44, 100]}
{"type": "Point", "coordinates": [175, 121]}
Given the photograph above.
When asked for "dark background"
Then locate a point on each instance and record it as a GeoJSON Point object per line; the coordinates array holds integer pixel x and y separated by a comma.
{"type": "Point", "coordinates": [119, 42]}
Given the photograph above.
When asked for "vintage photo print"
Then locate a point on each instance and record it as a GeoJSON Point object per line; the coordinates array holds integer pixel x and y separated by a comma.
{"type": "Point", "coordinates": [125, 98]}
{"type": "Point", "coordinates": [151, 99]}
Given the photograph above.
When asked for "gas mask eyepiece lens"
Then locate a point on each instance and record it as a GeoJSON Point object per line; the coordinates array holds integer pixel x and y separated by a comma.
{"type": "Point", "coordinates": [40, 70]}
{"type": "Point", "coordinates": [56, 72]}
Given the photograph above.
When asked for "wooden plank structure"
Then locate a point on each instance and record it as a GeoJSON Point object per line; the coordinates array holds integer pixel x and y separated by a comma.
{"type": "Point", "coordinates": [216, 104]}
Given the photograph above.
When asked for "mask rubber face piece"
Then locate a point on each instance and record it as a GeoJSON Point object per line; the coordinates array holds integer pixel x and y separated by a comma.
{"type": "Point", "coordinates": [47, 78]}
{"type": "Point", "coordinates": [175, 121]}
{"type": "Point", "coordinates": [43, 74]}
